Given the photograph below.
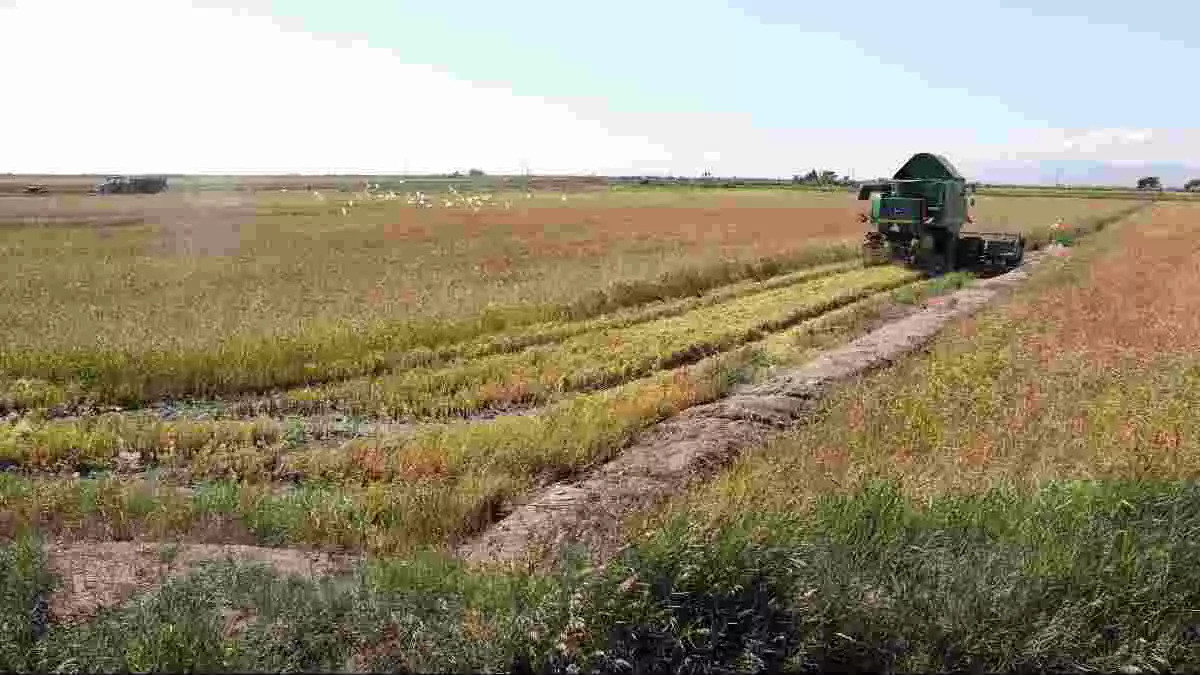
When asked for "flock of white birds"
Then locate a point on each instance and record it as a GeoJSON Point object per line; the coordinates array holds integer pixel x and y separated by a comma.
{"type": "Point", "coordinates": [423, 200]}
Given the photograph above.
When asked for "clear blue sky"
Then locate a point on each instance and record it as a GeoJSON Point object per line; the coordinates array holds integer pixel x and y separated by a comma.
{"type": "Point", "coordinates": [732, 85]}
{"type": "Point", "coordinates": [1071, 64]}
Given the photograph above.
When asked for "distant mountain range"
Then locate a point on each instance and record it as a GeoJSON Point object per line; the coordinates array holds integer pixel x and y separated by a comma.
{"type": "Point", "coordinates": [1080, 172]}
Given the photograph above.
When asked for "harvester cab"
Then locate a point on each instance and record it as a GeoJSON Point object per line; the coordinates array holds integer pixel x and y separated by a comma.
{"type": "Point", "coordinates": [917, 218]}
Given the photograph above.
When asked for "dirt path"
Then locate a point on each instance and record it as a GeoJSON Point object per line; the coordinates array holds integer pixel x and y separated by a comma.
{"type": "Point", "coordinates": [98, 575]}
{"type": "Point", "coordinates": [692, 446]}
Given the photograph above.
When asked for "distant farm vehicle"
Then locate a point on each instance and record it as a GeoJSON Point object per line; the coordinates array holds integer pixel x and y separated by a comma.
{"type": "Point", "coordinates": [1150, 183]}
{"type": "Point", "coordinates": [917, 218]}
{"type": "Point", "coordinates": [131, 185]}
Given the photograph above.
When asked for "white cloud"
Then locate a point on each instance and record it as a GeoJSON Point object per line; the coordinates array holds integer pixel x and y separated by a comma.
{"type": "Point", "coordinates": [163, 85]}
{"type": "Point", "coordinates": [160, 85]}
{"type": "Point", "coordinates": [1098, 139]}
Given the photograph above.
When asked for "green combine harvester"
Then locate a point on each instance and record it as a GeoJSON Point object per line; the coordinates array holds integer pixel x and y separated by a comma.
{"type": "Point", "coordinates": [917, 219]}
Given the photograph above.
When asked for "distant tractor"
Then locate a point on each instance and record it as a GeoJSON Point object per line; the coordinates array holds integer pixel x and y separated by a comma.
{"type": "Point", "coordinates": [131, 185]}
{"type": "Point", "coordinates": [917, 218]}
{"type": "Point", "coordinates": [1153, 183]}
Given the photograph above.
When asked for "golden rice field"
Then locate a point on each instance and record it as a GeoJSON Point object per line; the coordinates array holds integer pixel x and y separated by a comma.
{"type": "Point", "coordinates": [361, 373]}
{"type": "Point", "coordinates": [264, 339]}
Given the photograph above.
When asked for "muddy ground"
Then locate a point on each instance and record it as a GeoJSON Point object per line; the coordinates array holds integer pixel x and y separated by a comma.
{"type": "Point", "coordinates": [93, 576]}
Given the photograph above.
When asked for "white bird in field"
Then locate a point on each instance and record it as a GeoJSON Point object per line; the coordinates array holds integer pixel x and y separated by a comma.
{"type": "Point", "coordinates": [564, 198]}
{"type": "Point", "coordinates": [344, 212]}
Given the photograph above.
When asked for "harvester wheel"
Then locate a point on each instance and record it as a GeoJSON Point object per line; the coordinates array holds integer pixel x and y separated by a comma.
{"type": "Point", "coordinates": [874, 249]}
{"type": "Point", "coordinates": [928, 258]}
{"type": "Point", "coordinates": [949, 251]}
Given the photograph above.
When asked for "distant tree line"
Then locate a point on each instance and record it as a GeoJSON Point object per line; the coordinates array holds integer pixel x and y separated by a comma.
{"type": "Point", "coordinates": [824, 177]}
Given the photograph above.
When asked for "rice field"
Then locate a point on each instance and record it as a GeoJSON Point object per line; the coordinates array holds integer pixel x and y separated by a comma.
{"type": "Point", "coordinates": [1090, 373]}
{"type": "Point", "coordinates": [389, 373]}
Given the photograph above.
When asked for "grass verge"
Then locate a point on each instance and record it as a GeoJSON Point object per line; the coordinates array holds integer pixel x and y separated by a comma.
{"type": "Point", "coordinates": [1077, 576]}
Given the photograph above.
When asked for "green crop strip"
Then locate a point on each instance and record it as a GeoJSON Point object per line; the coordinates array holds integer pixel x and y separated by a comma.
{"type": "Point", "coordinates": [257, 449]}
{"type": "Point", "coordinates": [95, 443]}
{"type": "Point", "coordinates": [597, 359]}
{"type": "Point", "coordinates": [445, 481]}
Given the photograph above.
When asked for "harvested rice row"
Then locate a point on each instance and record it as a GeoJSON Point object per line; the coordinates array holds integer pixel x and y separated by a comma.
{"type": "Point", "coordinates": [594, 360]}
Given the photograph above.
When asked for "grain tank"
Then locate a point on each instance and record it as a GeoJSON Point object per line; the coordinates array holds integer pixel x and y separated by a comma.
{"type": "Point", "coordinates": [917, 218]}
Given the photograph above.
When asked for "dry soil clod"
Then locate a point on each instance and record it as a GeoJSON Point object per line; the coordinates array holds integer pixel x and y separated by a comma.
{"type": "Point", "coordinates": [99, 575]}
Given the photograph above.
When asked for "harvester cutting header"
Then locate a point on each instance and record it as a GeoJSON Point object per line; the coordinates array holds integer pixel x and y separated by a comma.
{"type": "Point", "coordinates": [917, 219]}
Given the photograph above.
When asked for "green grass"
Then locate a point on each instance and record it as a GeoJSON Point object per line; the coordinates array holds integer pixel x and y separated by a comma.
{"type": "Point", "coordinates": [1098, 576]}
{"type": "Point", "coordinates": [24, 583]}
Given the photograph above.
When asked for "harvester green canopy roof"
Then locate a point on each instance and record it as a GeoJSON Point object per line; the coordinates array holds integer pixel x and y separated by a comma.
{"type": "Point", "coordinates": [928, 166]}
